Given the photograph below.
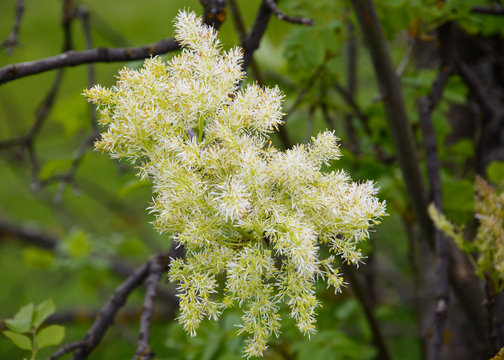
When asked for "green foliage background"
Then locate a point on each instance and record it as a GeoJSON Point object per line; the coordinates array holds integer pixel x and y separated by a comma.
{"type": "Point", "coordinates": [104, 214]}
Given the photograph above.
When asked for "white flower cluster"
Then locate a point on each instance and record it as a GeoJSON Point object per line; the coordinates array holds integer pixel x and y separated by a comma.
{"type": "Point", "coordinates": [241, 208]}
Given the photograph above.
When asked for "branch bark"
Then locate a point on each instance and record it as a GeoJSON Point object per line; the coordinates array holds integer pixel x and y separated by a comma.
{"type": "Point", "coordinates": [144, 351]}
{"type": "Point", "coordinates": [107, 314]}
{"type": "Point", "coordinates": [390, 90]}
{"type": "Point", "coordinates": [74, 58]}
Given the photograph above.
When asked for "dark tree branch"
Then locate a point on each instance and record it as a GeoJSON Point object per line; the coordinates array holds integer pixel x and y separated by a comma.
{"type": "Point", "coordinates": [357, 288]}
{"type": "Point", "coordinates": [12, 39]}
{"type": "Point", "coordinates": [426, 106]}
{"type": "Point", "coordinates": [242, 35]}
{"type": "Point", "coordinates": [488, 10]}
{"type": "Point", "coordinates": [66, 349]}
{"type": "Point", "coordinates": [400, 128]}
{"type": "Point", "coordinates": [283, 16]}
{"type": "Point", "coordinates": [104, 54]}
{"type": "Point", "coordinates": [74, 58]}
{"type": "Point", "coordinates": [144, 351]}
{"type": "Point", "coordinates": [251, 44]}
{"type": "Point", "coordinates": [29, 235]}
{"type": "Point", "coordinates": [107, 314]}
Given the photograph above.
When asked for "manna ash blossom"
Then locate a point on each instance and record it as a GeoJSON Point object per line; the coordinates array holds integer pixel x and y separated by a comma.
{"type": "Point", "coordinates": [242, 208]}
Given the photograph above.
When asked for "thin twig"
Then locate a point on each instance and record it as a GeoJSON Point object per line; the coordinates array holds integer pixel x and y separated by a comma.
{"type": "Point", "coordinates": [66, 349]}
{"type": "Point", "coordinates": [488, 10]}
{"type": "Point", "coordinates": [280, 15]}
{"type": "Point", "coordinates": [309, 122]}
{"type": "Point", "coordinates": [407, 56]}
{"type": "Point", "coordinates": [12, 39]}
{"type": "Point", "coordinates": [282, 133]}
{"type": "Point", "coordinates": [29, 235]}
{"type": "Point", "coordinates": [475, 84]}
{"type": "Point", "coordinates": [357, 288]}
{"type": "Point", "coordinates": [350, 100]}
{"type": "Point", "coordinates": [242, 35]}
{"type": "Point", "coordinates": [351, 84]}
{"type": "Point", "coordinates": [144, 351]}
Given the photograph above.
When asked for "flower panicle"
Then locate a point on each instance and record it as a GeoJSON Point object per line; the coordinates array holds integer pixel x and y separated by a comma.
{"type": "Point", "coordinates": [245, 211]}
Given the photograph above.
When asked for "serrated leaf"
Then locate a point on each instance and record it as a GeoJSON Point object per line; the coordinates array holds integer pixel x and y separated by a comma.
{"type": "Point", "coordinates": [51, 335]}
{"type": "Point", "coordinates": [43, 311]}
{"type": "Point", "coordinates": [21, 341]}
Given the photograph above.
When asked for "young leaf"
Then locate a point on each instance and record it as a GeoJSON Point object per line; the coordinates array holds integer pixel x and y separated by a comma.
{"type": "Point", "coordinates": [22, 320]}
{"type": "Point", "coordinates": [51, 335]}
{"type": "Point", "coordinates": [42, 311]}
{"type": "Point", "coordinates": [21, 341]}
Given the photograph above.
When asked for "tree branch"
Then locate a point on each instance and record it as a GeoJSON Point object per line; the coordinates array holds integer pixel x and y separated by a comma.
{"type": "Point", "coordinates": [426, 106]}
{"type": "Point", "coordinates": [349, 99]}
{"type": "Point", "coordinates": [390, 89]}
{"type": "Point", "coordinates": [144, 351]}
{"type": "Point", "coordinates": [106, 315]}
{"type": "Point", "coordinates": [282, 133]}
{"type": "Point", "coordinates": [242, 35]}
{"type": "Point", "coordinates": [283, 16]}
{"type": "Point", "coordinates": [357, 288]}
{"type": "Point", "coordinates": [74, 58]}
{"type": "Point", "coordinates": [12, 39]}
{"type": "Point", "coordinates": [251, 44]}
{"type": "Point", "coordinates": [488, 10]}
{"type": "Point", "coordinates": [66, 349]}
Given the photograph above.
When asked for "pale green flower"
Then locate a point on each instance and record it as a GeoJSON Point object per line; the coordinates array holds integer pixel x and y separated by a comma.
{"type": "Point", "coordinates": [241, 208]}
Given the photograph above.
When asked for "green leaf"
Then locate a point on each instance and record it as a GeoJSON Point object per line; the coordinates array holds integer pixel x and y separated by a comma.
{"type": "Point", "coordinates": [51, 335]}
{"type": "Point", "coordinates": [77, 244]}
{"type": "Point", "coordinates": [37, 258]}
{"type": "Point", "coordinates": [43, 311]}
{"type": "Point", "coordinates": [22, 320]}
{"type": "Point", "coordinates": [21, 341]}
{"type": "Point", "coordinates": [495, 172]}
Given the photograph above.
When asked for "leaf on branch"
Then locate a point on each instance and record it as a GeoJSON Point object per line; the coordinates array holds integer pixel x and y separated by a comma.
{"type": "Point", "coordinates": [21, 341]}
{"type": "Point", "coordinates": [51, 335]}
{"type": "Point", "coordinates": [43, 311]}
{"type": "Point", "coordinates": [22, 320]}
